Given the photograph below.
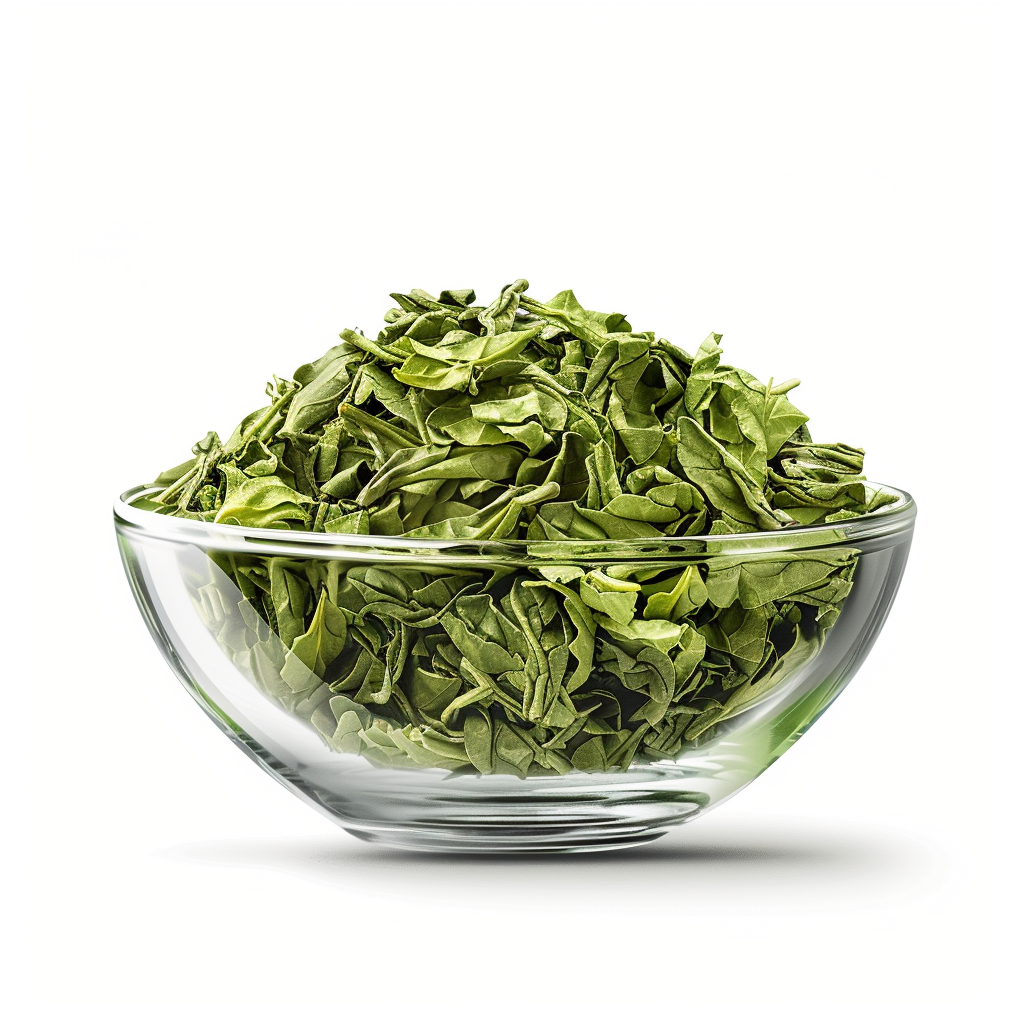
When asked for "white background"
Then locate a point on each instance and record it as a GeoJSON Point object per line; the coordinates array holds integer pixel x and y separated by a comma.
{"type": "Point", "coordinates": [197, 195]}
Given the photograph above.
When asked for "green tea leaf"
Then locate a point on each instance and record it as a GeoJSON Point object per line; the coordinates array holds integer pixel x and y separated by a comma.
{"type": "Point", "coordinates": [262, 502]}
{"type": "Point", "coordinates": [320, 645]}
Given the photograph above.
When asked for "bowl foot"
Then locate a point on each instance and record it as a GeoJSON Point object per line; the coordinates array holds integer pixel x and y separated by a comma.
{"type": "Point", "coordinates": [503, 840]}
{"type": "Point", "coordinates": [497, 814]}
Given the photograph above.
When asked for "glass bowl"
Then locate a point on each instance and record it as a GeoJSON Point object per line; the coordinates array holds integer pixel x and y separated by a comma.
{"type": "Point", "coordinates": [447, 695]}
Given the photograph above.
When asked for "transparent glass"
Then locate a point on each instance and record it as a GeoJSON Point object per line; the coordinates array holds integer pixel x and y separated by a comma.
{"type": "Point", "coordinates": [380, 778]}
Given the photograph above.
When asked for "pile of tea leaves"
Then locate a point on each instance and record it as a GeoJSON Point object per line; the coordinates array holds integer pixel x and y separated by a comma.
{"type": "Point", "coordinates": [519, 420]}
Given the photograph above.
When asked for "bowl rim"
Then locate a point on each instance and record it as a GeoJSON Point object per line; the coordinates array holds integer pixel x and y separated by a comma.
{"type": "Point", "coordinates": [895, 518]}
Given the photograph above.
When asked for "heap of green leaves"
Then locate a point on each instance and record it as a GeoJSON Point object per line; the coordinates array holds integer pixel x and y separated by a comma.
{"type": "Point", "coordinates": [520, 420]}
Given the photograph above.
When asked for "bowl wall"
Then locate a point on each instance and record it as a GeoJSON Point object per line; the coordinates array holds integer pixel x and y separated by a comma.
{"type": "Point", "coordinates": [313, 653]}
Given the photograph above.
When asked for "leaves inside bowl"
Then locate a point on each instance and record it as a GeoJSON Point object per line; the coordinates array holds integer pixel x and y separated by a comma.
{"type": "Point", "coordinates": [520, 420]}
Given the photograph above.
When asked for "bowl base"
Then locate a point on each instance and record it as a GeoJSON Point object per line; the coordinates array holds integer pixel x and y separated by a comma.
{"type": "Point", "coordinates": [538, 840]}
{"type": "Point", "coordinates": [434, 811]}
